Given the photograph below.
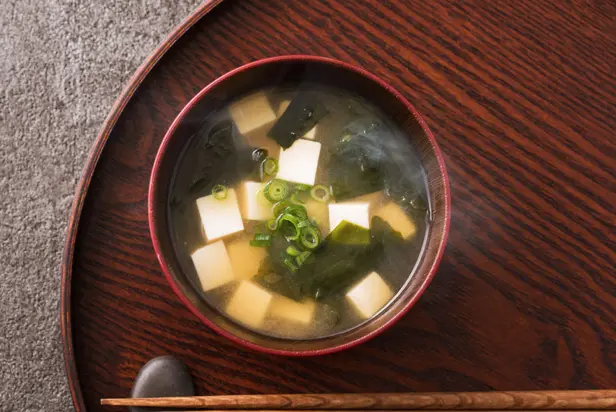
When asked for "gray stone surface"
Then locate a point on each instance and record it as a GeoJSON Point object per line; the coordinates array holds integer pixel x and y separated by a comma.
{"type": "Point", "coordinates": [162, 376]}
{"type": "Point", "coordinates": [62, 64]}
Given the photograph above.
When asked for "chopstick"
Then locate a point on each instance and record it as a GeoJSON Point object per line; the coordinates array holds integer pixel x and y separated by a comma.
{"type": "Point", "coordinates": [443, 401]}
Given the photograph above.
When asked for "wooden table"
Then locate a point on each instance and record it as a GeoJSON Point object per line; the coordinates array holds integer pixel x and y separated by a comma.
{"type": "Point", "coordinates": [520, 96]}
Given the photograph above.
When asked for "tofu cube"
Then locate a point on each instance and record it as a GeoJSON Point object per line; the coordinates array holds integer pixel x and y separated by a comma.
{"type": "Point", "coordinates": [245, 259]}
{"type": "Point", "coordinates": [393, 214]}
{"type": "Point", "coordinates": [369, 295]}
{"type": "Point", "coordinates": [220, 217]}
{"type": "Point", "coordinates": [249, 304]}
{"type": "Point", "coordinates": [290, 310]}
{"type": "Point", "coordinates": [357, 213]}
{"type": "Point", "coordinates": [310, 134]}
{"type": "Point", "coordinates": [252, 112]}
{"type": "Point", "coordinates": [299, 162]}
{"type": "Point", "coordinates": [318, 211]}
{"type": "Point", "coordinates": [254, 205]}
{"type": "Point", "coordinates": [213, 265]}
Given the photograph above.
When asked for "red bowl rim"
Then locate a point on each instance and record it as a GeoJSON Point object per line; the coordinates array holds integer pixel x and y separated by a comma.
{"type": "Point", "coordinates": [154, 179]}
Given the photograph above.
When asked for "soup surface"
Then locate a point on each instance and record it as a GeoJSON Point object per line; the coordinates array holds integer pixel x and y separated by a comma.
{"type": "Point", "coordinates": [299, 212]}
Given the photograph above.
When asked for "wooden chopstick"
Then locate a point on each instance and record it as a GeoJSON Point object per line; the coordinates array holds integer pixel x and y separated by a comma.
{"type": "Point", "coordinates": [517, 400]}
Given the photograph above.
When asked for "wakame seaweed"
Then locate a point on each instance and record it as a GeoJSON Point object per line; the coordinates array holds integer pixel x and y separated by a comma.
{"type": "Point", "coordinates": [274, 274]}
{"type": "Point", "coordinates": [361, 164]}
{"type": "Point", "coordinates": [215, 146]}
{"type": "Point", "coordinates": [340, 263]}
{"type": "Point", "coordinates": [304, 111]}
{"type": "Point", "coordinates": [350, 234]}
{"type": "Point", "coordinates": [382, 232]}
{"type": "Point", "coordinates": [214, 153]}
{"type": "Point", "coordinates": [355, 167]}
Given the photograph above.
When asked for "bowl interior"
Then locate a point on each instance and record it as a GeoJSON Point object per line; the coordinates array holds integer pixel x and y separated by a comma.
{"type": "Point", "coordinates": [289, 70]}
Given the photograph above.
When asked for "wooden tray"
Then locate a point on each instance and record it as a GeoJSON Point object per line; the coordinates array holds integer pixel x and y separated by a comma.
{"type": "Point", "coordinates": [520, 96]}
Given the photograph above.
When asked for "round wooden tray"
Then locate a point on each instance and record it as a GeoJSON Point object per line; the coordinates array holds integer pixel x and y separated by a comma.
{"type": "Point", "coordinates": [520, 97]}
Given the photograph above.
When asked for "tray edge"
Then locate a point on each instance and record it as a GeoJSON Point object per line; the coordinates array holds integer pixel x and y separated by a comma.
{"type": "Point", "coordinates": [82, 188]}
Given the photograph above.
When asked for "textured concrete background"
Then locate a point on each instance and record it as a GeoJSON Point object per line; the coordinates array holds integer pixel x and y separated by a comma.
{"type": "Point", "coordinates": [62, 64]}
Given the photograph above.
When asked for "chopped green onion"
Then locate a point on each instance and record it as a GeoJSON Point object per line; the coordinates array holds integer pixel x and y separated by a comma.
{"type": "Point", "coordinates": [261, 240]}
{"type": "Point", "coordinates": [298, 211]}
{"type": "Point", "coordinates": [219, 192]}
{"type": "Point", "coordinates": [302, 187]}
{"type": "Point", "coordinates": [272, 224]}
{"type": "Point", "coordinates": [296, 198]}
{"type": "Point", "coordinates": [310, 237]}
{"type": "Point", "coordinates": [276, 190]}
{"type": "Point", "coordinates": [280, 207]}
{"type": "Point", "coordinates": [305, 223]}
{"type": "Point", "coordinates": [260, 243]}
{"type": "Point", "coordinates": [289, 263]}
{"type": "Point", "coordinates": [291, 230]}
{"type": "Point", "coordinates": [269, 167]}
{"type": "Point", "coordinates": [263, 236]}
{"type": "Point", "coordinates": [320, 193]}
{"type": "Point", "coordinates": [301, 259]}
{"type": "Point", "coordinates": [293, 251]}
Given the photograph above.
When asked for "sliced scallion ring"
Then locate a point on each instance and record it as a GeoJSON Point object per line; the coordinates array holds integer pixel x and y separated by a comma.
{"type": "Point", "coordinates": [288, 262]}
{"type": "Point", "coordinates": [269, 167]}
{"type": "Point", "coordinates": [288, 226]}
{"type": "Point", "coordinates": [280, 207]}
{"type": "Point", "coordinates": [261, 240]}
{"type": "Point", "coordinates": [219, 192]}
{"type": "Point", "coordinates": [310, 237]}
{"type": "Point", "coordinates": [296, 198]}
{"type": "Point", "coordinates": [276, 190]}
{"type": "Point", "coordinates": [293, 251]}
{"type": "Point", "coordinates": [305, 223]}
{"type": "Point", "coordinates": [300, 187]}
{"type": "Point", "coordinates": [298, 211]}
{"type": "Point", "coordinates": [260, 243]}
{"type": "Point", "coordinates": [302, 257]}
{"type": "Point", "coordinates": [262, 236]}
{"type": "Point", "coordinates": [320, 193]}
{"type": "Point", "coordinates": [272, 224]}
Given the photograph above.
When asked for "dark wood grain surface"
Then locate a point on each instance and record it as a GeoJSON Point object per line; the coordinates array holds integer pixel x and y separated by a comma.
{"type": "Point", "coordinates": [521, 97]}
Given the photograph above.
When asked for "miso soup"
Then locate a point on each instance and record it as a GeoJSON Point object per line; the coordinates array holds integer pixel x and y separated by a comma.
{"type": "Point", "coordinates": [299, 212]}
